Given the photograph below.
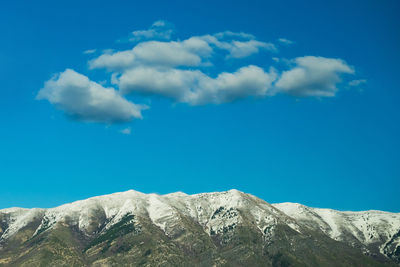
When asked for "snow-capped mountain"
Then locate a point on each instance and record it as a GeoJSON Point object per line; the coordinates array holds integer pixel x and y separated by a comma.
{"type": "Point", "coordinates": [223, 229]}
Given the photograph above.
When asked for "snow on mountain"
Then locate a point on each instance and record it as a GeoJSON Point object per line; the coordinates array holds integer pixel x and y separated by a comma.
{"type": "Point", "coordinates": [17, 218]}
{"type": "Point", "coordinates": [363, 227]}
{"type": "Point", "coordinates": [213, 211]}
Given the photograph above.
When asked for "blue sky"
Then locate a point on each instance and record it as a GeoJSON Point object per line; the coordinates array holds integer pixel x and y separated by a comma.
{"type": "Point", "coordinates": [288, 101]}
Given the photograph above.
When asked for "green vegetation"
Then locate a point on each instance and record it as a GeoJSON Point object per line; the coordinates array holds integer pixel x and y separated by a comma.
{"type": "Point", "coordinates": [121, 228]}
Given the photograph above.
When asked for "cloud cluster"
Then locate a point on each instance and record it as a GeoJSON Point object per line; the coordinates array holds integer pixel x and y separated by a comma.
{"type": "Point", "coordinates": [194, 51]}
{"type": "Point", "coordinates": [180, 70]}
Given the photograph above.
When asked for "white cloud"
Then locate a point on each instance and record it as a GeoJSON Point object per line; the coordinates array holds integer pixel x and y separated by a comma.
{"type": "Point", "coordinates": [126, 131]}
{"type": "Point", "coordinates": [85, 100]}
{"type": "Point", "coordinates": [159, 23]}
{"type": "Point", "coordinates": [247, 81]}
{"type": "Point", "coordinates": [175, 53]}
{"type": "Point", "coordinates": [158, 30]}
{"type": "Point", "coordinates": [172, 83]}
{"type": "Point", "coordinates": [285, 41]}
{"type": "Point", "coordinates": [186, 53]}
{"type": "Point", "coordinates": [355, 83]}
{"type": "Point", "coordinates": [313, 76]}
{"type": "Point", "coordinates": [196, 88]}
{"type": "Point", "coordinates": [230, 34]}
{"type": "Point", "coordinates": [113, 60]}
{"type": "Point", "coordinates": [239, 49]}
{"type": "Point", "coordinates": [90, 51]}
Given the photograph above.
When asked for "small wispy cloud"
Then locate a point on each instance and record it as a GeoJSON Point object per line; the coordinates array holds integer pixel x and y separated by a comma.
{"type": "Point", "coordinates": [355, 83]}
{"type": "Point", "coordinates": [230, 34]}
{"type": "Point", "coordinates": [89, 51]}
{"type": "Point", "coordinates": [285, 41]}
{"type": "Point", "coordinates": [126, 131]}
{"type": "Point", "coordinates": [237, 48]}
{"type": "Point", "coordinates": [160, 29]}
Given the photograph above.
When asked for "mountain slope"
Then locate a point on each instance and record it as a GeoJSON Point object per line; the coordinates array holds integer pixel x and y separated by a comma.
{"type": "Point", "coordinates": [376, 233]}
{"type": "Point", "coordinates": [211, 229]}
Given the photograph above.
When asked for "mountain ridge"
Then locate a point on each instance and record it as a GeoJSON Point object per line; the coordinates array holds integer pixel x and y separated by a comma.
{"type": "Point", "coordinates": [98, 228]}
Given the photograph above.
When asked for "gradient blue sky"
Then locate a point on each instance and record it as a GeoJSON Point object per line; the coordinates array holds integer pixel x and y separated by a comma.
{"type": "Point", "coordinates": [338, 152]}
